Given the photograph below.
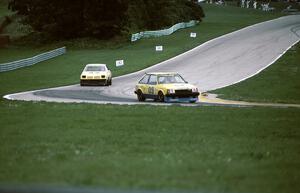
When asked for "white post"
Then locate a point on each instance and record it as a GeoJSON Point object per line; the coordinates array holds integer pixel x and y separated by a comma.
{"type": "Point", "coordinates": [243, 4]}
{"type": "Point", "coordinates": [248, 2]}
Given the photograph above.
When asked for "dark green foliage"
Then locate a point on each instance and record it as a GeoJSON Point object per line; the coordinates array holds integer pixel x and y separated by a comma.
{"type": "Point", "coordinates": [73, 18]}
{"type": "Point", "coordinates": [102, 19]}
{"type": "Point", "coordinates": [148, 14]}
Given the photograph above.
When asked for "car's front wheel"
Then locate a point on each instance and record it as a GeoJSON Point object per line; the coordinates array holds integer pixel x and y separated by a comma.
{"type": "Point", "coordinates": [81, 83]}
{"type": "Point", "coordinates": [140, 96]}
{"type": "Point", "coordinates": [106, 83]}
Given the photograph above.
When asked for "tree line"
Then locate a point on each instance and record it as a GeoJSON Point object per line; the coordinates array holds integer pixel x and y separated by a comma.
{"type": "Point", "coordinates": [103, 19]}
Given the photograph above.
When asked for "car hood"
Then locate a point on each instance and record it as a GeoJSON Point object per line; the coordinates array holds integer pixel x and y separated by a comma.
{"type": "Point", "coordinates": [179, 86]}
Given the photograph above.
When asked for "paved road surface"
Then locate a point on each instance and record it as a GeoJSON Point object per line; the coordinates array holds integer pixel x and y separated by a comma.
{"type": "Point", "coordinates": [218, 63]}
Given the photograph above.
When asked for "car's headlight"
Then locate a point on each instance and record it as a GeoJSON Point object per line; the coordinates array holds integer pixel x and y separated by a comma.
{"type": "Point", "coordinates": [194, 89]}
{"type": "Point", "coordinates": [171, 91]}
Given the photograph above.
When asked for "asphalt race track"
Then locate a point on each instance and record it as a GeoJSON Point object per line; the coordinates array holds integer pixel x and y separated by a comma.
{"type": "Point", "coordinates": [215, 64]}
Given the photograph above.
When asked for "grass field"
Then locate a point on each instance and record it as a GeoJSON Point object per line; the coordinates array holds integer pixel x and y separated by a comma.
{"type": "Point", "coordinates": [144, 147]}
{"type": "Point", "coordinates": [279, 83]}
{"type": "Point", "coordinates": [213, 149]}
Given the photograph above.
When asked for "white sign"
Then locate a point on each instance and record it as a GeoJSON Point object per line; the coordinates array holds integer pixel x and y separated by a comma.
{"type": "Point", "coordinates": [159, 48]}
{"type": "Point", "coordinates": [193, 35]}
{"type": "Point", "coordinates": [119, 63]}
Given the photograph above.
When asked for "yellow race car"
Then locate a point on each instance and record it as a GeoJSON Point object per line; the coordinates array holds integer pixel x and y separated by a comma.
{"type": "Point", "coordinates": [165, 87]}
{"type": "Point", "coordinates": [95, 74]}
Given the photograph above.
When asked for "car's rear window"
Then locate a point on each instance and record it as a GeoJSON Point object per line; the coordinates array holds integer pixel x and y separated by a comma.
{"type": "Point", "coordinates": [95, 68]}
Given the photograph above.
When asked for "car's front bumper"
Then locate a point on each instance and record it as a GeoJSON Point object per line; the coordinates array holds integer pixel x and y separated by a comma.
{"type": "Point", "coordinates": [191, 97]}
{"type": "Point", "coordinates": [186, 99]}
{"type": "Point", "coordinates": [93, 82]}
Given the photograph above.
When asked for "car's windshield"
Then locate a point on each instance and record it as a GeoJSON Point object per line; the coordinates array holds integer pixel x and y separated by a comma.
{"type": "Point", "coordinates": [169, 79]}
{"type": "Point", "coordinates": [95, 68]}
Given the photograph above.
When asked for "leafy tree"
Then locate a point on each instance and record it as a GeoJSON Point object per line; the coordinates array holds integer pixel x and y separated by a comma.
{"type": "Point", "coordinates": [63, 19]}
{"type": "Point", "coordinates": [163, 13]}
{"type": "Point", "coordinates": [73, 18]}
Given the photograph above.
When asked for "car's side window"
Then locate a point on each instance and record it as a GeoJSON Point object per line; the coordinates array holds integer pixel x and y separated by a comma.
{"type": "Point", "coordinates": [144, 80]}
{"type": "Point", "coordinates": [153, 80]}
{"type": "Point", "coordinates": [162, 79]}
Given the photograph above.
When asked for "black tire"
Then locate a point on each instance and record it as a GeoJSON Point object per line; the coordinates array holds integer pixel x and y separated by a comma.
{"type": "Point", "coordinates": [106, 83]}
{"type": "Point", "coordinates": [140, 96]}
{"type": "Point", "coordinates": [161, 97]}
{"type": "Point", "coordinates": [110, 82]}
{"type": "Point", "coordinates": [81, 83]}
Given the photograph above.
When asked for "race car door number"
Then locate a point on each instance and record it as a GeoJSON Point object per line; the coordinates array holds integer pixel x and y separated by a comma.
{"type": "Point", "coordinates": [151, 90]}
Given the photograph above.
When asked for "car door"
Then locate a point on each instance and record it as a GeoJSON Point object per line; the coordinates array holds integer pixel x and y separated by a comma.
{"type": "Point", "coordinates": [143, 84]}
{"type": "Point", "coordinates": [151, 85]}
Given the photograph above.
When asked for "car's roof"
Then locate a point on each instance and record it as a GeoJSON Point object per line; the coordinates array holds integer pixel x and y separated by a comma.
{"type": "Point", "coordinates": [162, 73]}
{"type": "Point", "coordinates": [95, 65]}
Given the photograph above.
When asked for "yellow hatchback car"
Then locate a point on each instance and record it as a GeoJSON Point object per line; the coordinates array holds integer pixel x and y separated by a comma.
{"type": "Point", "coordinates": [95, 74]}
{"type": "Point", "coordinates": [165, 87]}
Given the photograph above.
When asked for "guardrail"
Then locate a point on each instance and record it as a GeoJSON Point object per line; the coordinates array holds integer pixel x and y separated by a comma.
{"type": "Point", "coordinates": [146, 34]}
{"type": "Point", "coordinates": [33, 60]}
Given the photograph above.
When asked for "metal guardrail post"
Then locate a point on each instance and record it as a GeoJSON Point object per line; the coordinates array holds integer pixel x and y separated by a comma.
{"type": "Point", "coordinates": [146, 34]}
{"type": "Point", "coordinates": [33, 60]}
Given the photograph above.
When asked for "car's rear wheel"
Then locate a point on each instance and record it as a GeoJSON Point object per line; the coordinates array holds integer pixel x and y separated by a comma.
{"type": "Point", "coordinates": [161, 97]}
{"type": "Point", "coordinates": [140, 96]}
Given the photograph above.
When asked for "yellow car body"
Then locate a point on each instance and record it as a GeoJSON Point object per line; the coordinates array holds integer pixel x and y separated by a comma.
{"type": "Point", "coordinates": [165, 87]}
{"type": "Point", "coordinates": [95, 74]}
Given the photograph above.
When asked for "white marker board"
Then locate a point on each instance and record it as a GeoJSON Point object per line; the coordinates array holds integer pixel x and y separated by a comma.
{"type": "Point", "coordinates": [159, 48]}
{"type": "Point", "coordinates": [119, 63]}
{"type": "Point", "coordinates": [193, 35]}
